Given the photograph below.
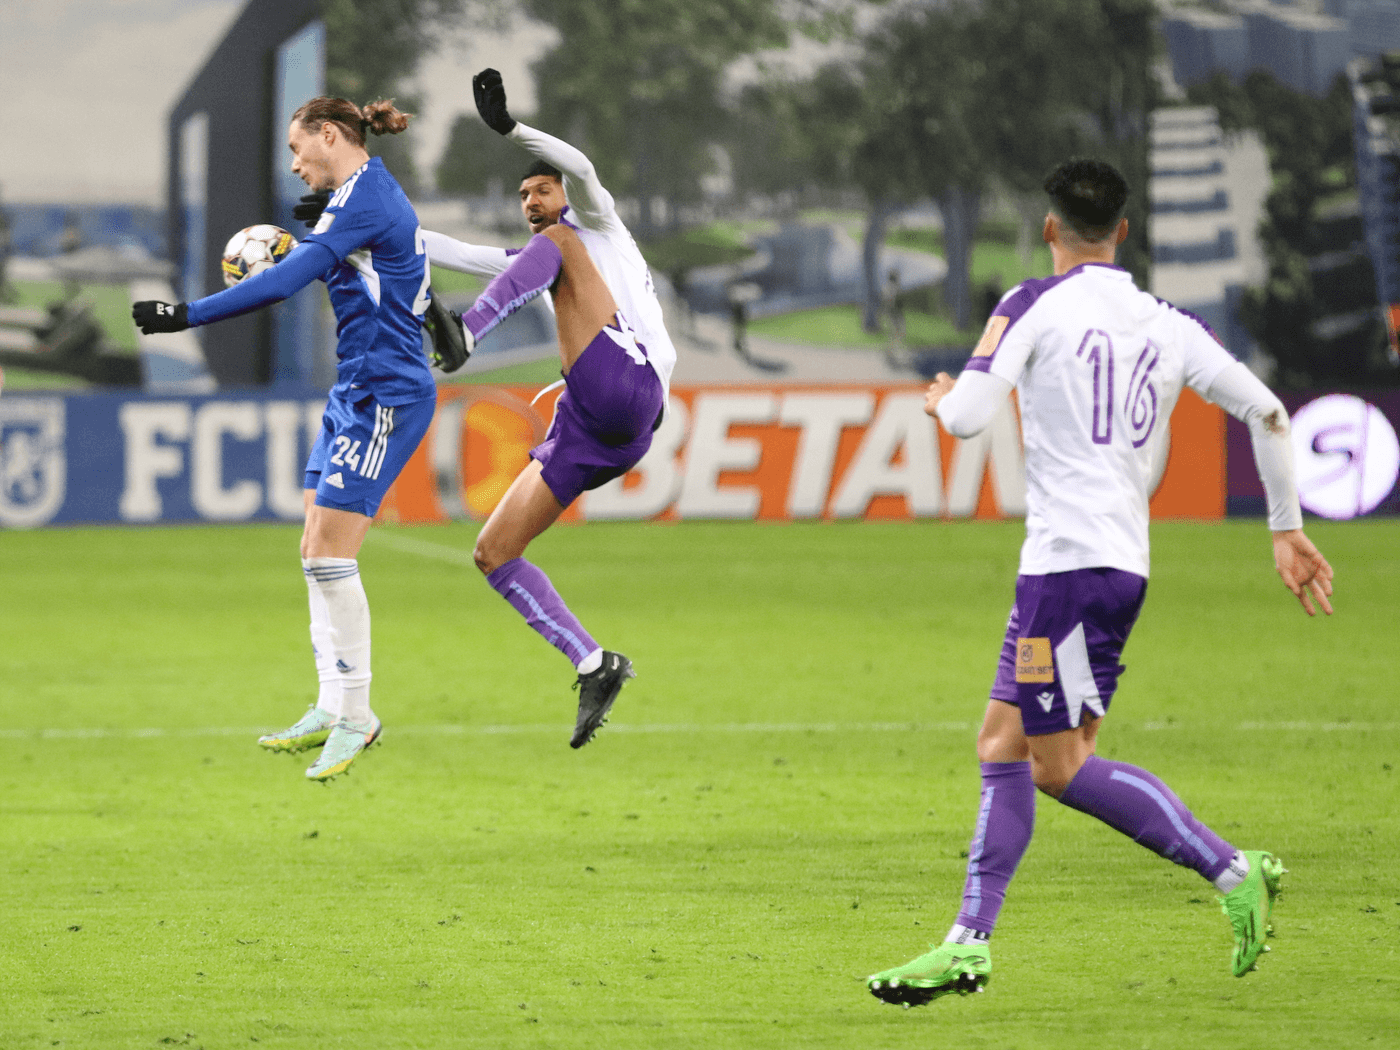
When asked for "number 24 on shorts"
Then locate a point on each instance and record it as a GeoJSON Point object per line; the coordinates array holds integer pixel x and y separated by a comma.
{"type": "Point", "coordinates": [347, 453]}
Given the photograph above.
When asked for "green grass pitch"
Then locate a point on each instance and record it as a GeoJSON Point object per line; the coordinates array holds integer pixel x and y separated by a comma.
{"type": "Point", "coordinates": [780, 806]}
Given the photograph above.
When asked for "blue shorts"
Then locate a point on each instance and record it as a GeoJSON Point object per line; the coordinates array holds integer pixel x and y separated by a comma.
{"type": "Point", "coordinates": [603, 421]}
{"type": "Point", "coordinates": [1066, 632]}
{"type": "Point", "coordinates": [361, 448]}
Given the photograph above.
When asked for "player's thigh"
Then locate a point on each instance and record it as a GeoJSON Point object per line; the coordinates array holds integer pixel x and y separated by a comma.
{"type": "Point", "coordinates": [526, 510]}
{"type": "Point", "coordinates": [332, 533]}
{"type": "Point", "coordinates": [583, 304]}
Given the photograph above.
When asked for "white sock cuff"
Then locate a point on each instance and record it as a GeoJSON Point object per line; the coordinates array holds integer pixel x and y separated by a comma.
{"type": "Point", "coordinates": [328, 570]}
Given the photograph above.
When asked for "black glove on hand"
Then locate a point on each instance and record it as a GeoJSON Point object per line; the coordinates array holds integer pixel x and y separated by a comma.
{"type": "Point", "coordinates": [311, 206]}
{"type": "Point", "coordinates": [491, 101]}
{"type": "Point", "coordinates": [152, 315]}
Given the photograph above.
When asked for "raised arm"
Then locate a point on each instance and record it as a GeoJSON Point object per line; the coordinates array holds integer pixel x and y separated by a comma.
{"type": "Point", "coordinates": [1300, 565]}
{"type": "Point", "coordinates": [587, 197]}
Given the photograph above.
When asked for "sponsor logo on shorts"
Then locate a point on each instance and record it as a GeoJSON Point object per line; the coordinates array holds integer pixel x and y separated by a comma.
{"type": "Point", "coordinates": [336, 480]}
{"type": "Point", "coordinates": [1034, 662]}
{"type": "Point", "coordinates": [1046, 700]}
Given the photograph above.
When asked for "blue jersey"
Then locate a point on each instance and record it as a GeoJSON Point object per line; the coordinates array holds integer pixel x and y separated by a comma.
{"type": "Point", "coordinates": [369, 250]}
{"type": "Point", "coordinates": [378, 288]}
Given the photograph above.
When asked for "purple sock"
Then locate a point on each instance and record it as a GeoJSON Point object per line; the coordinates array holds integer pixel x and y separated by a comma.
{"type": "Point", "coordinates": [534, 597]}
{"type": "Point", "coordinates": [1005, 821]}
{"type": "Point", "coordinates": [532, 270]}
{"type": "Point", "coordinates": [1133, 801]}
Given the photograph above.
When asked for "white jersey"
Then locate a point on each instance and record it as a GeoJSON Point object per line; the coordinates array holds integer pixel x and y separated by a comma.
{"type": "Point", "coordinates": [593, 215]}
{"type": "Point", "coordinates": [1098, 365]}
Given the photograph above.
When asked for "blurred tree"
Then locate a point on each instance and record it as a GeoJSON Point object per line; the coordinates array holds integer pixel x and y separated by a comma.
{"type": "Point", "coordinates": [476, 156]}
{"type": "Point", "coordinates": [373, 47]}
{"type": "Point", "coordinates": [1311, 156]}
{"type": "Point", "coordinates": [976, 93]}
{"type": "Point", "coordinates": [831, 130]}
{"type": "Point", "coordinates": [636, 84]}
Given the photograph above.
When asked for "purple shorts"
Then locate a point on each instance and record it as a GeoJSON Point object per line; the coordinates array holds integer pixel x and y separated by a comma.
{"type": "Point", "coordinates": [603, 421]}
{"type": "Point", "coordinates": [1059, 662]}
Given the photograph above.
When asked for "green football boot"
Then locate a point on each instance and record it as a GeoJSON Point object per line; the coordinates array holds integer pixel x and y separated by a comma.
{"type": "Point", "coordinates": [310, 731]}
{"type": "Point", "coordinates": [347, 739]}
{"type": "Point", "coordinates": [1250, 906]}
{"type": "Point", "coordinates": [948, 968]}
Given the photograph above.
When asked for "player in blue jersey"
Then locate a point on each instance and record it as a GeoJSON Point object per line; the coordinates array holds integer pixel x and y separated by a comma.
{"type": "Point", "coordinates": [368, 248]}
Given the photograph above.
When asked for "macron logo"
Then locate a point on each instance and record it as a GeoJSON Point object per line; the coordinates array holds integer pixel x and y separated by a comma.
{"type": "Point", "coordinates": [343, 667]}
{"type": "Point", "coordinates": [336, 480]}
{"type": "Point", "coordinates": [1047, 700]}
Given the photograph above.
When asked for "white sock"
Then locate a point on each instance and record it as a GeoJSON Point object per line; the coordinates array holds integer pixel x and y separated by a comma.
{"type": "Point", "coordinates": [962, 935]}
{"type": "Point", "coordinates": [591, 662]}
{"type": "Point", "coordinates": [347, 608]}
{"type": "Point", "coordinates": [1235, 874]}
{"type": "Point", "coordinates": [322, 646]}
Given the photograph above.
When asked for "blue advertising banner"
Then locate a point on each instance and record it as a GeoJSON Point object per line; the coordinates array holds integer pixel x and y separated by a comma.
{"type": "Point", "coordinates": [118, 458]}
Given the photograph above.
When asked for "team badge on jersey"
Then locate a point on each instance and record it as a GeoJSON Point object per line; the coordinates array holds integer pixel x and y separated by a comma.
{"type": "Point", "coordinates": [991, 336]}
{"type": "Point", "coordinates": [1034, 660]}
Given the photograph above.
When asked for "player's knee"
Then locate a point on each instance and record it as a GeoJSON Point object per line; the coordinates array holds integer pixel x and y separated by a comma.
{"type": "Point", "coordinates": [486, 559]}
{"type": "Point", "coordinates": [1050, 781]}
{"type": "Point", "coordinates": [560, 234]}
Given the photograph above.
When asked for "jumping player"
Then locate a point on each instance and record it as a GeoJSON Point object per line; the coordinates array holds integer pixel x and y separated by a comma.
{"type": "Point", "coordinates": [368, 248]}
{"type": "Point", "coordinates": [1098, 366]}
{"type": "Point", "coordinates": [616, 358]}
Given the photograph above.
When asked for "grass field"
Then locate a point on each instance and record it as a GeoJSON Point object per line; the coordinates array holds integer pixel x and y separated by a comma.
{"type": "Point", "coordinates": [780, 806]}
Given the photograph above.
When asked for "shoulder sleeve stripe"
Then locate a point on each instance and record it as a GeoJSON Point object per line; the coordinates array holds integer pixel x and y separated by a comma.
{"type": "Point", "coordinates": [341, 195]}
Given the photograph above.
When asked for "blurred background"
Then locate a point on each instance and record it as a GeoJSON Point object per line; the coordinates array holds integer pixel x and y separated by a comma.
{"type": "Point", "coordinates": [828, 191]}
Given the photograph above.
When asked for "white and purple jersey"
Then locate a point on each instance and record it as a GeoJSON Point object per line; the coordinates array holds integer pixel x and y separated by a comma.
{"type": "Point", "coordinates": [1098, 365]}
{"type": "Point", "coordinates": [592, 213]}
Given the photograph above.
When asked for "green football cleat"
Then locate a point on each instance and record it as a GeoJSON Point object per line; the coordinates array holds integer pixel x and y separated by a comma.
{"type": "Point", "coordinates": [310, 731]}
{"type": "Point", "coordinates": [343, 746]}
{"type": "Point", "coordinates": [1250, 906]}
{"type": "Point", "coordinates": [947, 969]}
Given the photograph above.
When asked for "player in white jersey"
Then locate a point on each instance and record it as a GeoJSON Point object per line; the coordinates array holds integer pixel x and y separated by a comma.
{"type": "Point", "coordinates": [616, 359]}
{"type": "Point", "coordinates": [1097, 365]}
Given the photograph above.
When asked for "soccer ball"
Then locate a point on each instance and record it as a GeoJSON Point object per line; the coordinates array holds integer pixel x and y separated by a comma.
{"type": "Point", "coordinates": [253, 250]}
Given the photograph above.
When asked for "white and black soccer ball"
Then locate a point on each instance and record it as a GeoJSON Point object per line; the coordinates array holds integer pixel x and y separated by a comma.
{"type": "Point", "coordinates": [253, 250]}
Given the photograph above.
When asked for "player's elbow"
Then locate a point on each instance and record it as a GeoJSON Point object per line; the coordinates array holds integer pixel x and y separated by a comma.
{"type": "Point", "coordinates": [961, 426]}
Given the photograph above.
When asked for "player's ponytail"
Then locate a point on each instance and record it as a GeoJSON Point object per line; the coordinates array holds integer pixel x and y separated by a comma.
{"type": "Point", "coordinates": [381, 117]}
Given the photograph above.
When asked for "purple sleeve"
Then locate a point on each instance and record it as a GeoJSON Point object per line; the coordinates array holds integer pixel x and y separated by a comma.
{"type": "Point", "coordinates": [304, 264]}
{"type": "Point", "coordinates": [1011, 309]}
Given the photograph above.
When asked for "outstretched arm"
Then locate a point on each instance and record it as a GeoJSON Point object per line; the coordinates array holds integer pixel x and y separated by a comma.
{"type": "Point", "coordinates": [304, 264]}
{"type": "Point", "coordinates": [476, 259]}
{"type": "Point", "coordinates": [1300, 565]}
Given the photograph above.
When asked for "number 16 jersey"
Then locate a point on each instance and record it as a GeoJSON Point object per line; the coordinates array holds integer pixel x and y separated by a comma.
{"type": "Point", "coordinates": [1098, 365]}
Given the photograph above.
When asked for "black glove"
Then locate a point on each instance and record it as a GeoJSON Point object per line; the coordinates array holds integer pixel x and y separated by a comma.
{"type": "Point", "coordinates": [491, 101]}
{"type": "Point", "coordinates": [152, 315]}
{"type": "Point", "coordinates": [311, 206]}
